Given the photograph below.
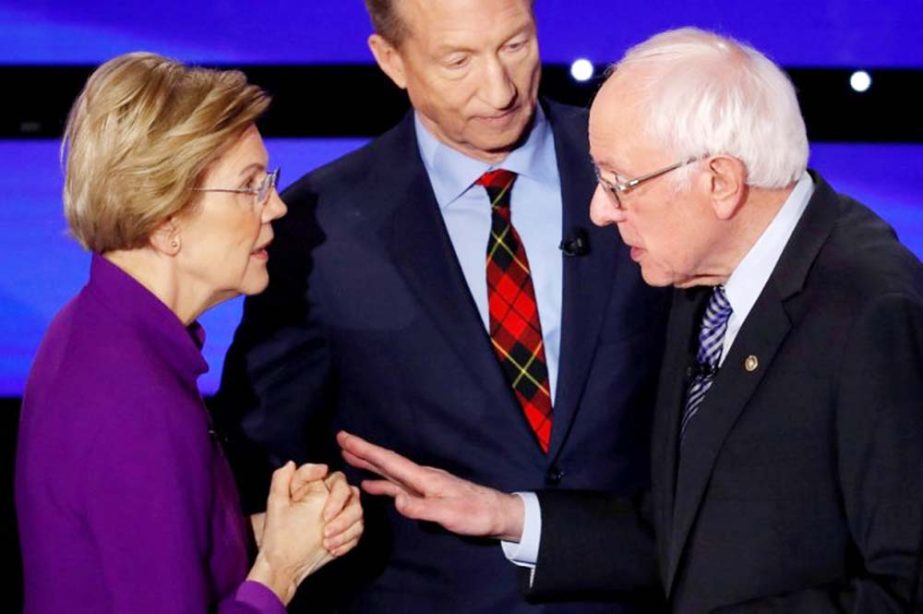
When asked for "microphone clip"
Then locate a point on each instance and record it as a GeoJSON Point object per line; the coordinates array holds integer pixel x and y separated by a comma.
{"type": "Point", "coordinates": [701, 370]}
{"type": "Point", "coordinates": [577, 244]}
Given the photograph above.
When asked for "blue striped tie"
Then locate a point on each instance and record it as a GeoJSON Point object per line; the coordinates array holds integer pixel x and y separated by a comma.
{"type": "Point", "coordinates": [711, 344]}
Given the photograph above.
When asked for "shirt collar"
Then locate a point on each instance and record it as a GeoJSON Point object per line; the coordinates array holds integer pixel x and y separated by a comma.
{"type": "Point", "coordinates": [746, 283]}
{"type": "Point", "coordinates": [451, 172]}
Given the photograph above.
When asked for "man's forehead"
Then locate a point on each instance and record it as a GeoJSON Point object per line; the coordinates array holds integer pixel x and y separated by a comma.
{"type": "Point", "coordinates": [452, 12]}
{"type": "Point", "coordinates": [607, 109]}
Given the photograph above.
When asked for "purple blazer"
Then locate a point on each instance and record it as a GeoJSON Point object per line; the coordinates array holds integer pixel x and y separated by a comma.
{"type": "Point", "coordinates": [124, 501]}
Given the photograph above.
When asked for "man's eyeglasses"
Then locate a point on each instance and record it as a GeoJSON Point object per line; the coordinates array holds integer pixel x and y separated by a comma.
{"type": "Point", "coordinates": [623, 187]}
{"type": "Point", "coordinates": [260, 193]}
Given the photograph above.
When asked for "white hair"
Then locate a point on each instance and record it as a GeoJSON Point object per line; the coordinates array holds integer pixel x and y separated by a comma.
{"type": "Point", "coordinates": [705, 94]}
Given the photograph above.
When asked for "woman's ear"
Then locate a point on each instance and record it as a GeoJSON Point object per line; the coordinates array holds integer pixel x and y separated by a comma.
{"type": "Point", "coordinates": [166, 238]}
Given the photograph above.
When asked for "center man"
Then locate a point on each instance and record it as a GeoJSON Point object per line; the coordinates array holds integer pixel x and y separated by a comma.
{"type": "Point", "coordinates": [443, 292]}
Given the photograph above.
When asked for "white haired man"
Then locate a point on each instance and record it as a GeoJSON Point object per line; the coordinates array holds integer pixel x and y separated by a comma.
{"type": "Point", "coordinates": [788, 435]}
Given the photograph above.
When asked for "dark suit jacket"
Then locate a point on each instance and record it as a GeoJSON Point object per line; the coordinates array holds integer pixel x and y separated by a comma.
{"type": "Point", "coordinates": [800, 483]}
{"type": "Point", "coordinates": [368, 325]}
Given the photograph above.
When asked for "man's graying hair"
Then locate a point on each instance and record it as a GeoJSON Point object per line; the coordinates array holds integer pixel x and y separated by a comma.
{"type": "Point", "coordinates": [387, 23]}
{"type": "Point", "coordinates": [707, 94]}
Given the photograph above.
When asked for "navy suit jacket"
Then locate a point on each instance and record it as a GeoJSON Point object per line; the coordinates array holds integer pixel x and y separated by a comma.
{"type": "Point", "coordinates": [368, 325]}
{"type": "Point", "coordinates": [800, 483]}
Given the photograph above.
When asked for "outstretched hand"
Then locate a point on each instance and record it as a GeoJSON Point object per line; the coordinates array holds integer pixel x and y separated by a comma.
{"type": "Point", "coordinates": [434, 495]}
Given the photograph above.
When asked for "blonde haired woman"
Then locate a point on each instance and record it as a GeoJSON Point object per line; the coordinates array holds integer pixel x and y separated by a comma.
{"type": "Point", "coordinates": [124, 500]}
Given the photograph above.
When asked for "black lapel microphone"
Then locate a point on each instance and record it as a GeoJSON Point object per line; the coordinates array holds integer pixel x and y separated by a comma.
{"type": "Point", "coordinates": [576, 243]}
{"type": "Point", "coordinates": [699, 369]}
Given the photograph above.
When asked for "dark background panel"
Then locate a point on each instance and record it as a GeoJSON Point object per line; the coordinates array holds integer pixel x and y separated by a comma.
{"type": "Point", "coordinates": [358, 100]}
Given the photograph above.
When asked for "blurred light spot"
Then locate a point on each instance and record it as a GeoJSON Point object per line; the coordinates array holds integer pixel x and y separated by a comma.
{"type": "Point", "coordinates": [860, 81]}
{"type": "Point", "coordinates": [581, 70]}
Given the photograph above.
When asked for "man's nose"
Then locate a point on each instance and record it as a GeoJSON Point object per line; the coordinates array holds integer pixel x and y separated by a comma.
{"type": "Point", "coordinates": [603, 210]}
{"type": "Point", "coordinates": [498, 88]}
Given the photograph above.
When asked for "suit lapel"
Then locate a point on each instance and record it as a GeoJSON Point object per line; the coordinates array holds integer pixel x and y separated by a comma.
{"type": "Point", "coordinates": [587, 279]}
{"type": "Point", "coordinates": [762, 334]}
{"type": "Point", "coordinates": [424, 256]}
{"type": "Point", "coordinates": [681, 330]}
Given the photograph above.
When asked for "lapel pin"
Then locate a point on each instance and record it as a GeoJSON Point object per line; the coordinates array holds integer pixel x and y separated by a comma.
{"type": "Point", "coordinates": [751, 363]}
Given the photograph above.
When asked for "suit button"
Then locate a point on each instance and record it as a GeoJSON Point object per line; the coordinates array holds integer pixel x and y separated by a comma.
{"type": "Point", "coordinates": [553, 476]}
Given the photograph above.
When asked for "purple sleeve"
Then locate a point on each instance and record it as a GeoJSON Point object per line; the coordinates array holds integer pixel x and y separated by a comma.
{"type": "Point", "coordinates": [149, 501]}
{"type": "Point", "coordinates": [252, 597]}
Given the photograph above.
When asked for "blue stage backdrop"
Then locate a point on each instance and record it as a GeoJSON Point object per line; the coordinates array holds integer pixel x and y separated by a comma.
{"type": "Point", "coordinates": [842, 33]}
{"type": "Point", "coordinates": [42, 267]}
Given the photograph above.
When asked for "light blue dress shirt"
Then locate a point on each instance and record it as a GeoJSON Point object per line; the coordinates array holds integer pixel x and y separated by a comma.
{"type": "Point", "coordinates": [537, 214]}
{"type": "Point", "coordinates": [743, 287]}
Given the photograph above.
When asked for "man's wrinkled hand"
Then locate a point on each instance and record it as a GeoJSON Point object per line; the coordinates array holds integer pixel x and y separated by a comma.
{"type": "Point", "coordinates": [434, 495]}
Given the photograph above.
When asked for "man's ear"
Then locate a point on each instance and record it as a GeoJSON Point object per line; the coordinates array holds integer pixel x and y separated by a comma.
{"type": "Point", "coordinates": [166, 238]}
{"type": "Point", "coordinates": [389, 60]}
{"type": "Point", "coordinates": [727, 177]}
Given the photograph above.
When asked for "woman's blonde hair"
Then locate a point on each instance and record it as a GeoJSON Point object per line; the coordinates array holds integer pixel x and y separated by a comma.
{"type": "Point", "coordinates": [139, 138]}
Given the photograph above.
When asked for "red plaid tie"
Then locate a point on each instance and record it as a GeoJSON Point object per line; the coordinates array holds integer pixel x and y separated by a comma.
{"type": "Point", "coordinates": [515, 329]}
